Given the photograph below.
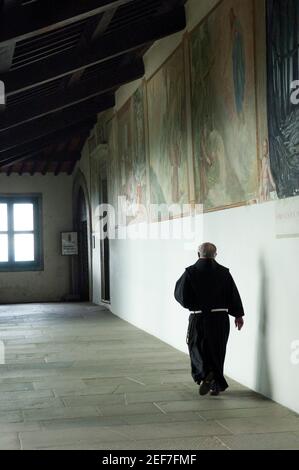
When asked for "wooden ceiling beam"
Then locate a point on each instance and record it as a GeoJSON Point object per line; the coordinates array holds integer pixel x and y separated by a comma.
{"type": "Point", "coordinates": [103, 24]}
{"type": "Point", "coordinates": [21, 170]}
{"type": "Point", "coordinates": [80, 93]}
{"type": "Point", "coordinates": [41, 143]}
{"type": "Point", "coordinates": [112, 45]}
{"type": "Point", "coordinates": [9, 170]}
{"type": "Point", "coordinates": [72, 157]}
{"type": "Point", "coordinates": [55, 122]}
{"type": "Point", "coordinates": [26, 21]}
{"type": "Point", "coordinates": [58, 168]}
{"type": "Point", "coordinates": [13, 161]}
{"type": "Point", "coordinates": [91, 33]}
{"type": "Point", "coordinates": [45, 167]}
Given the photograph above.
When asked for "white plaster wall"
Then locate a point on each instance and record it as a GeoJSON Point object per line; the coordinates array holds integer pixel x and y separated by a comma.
{"type": "Point", "coordinates": [53, 282]}
{"type": "Point", "coordinates": [266, 271]}
{"type": "Point", "coordinates": [143, 275]}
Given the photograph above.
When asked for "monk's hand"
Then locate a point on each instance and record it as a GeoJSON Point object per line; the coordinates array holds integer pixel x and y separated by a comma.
{"type": "Point", "coordinates": [239, 322]}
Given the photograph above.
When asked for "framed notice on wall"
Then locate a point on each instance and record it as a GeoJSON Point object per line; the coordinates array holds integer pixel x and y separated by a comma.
{"type": "Point", "coordinates": [69, 243]}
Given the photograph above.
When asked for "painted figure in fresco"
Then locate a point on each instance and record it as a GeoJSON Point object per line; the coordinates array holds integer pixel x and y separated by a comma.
{"type": "Point", "coordinates": [173, 125]}
{"type": "Point", "coordinates": [175, 160]}
{"type": "Point", "coordinates": [267, 184]}
{"type": "Point", "coordinates": [209, 161]}
{"type": "Point", "coordinates": [213, 153]}
{"type": "Point", "coordinates": [124, 159]}
{"type": "Point", "coordinates": [132, 157]}
{"type": "Point", "coordinates": [207, 62]}
{"type": "Point", "coordinates": [238, 59]}
{"type": "Point", "coordinates": [139, 160]}
{"type": "Point", "coordinates": [205, 159]}
{"type": "Point", "coordinates": [135, 192]}
{"type": "Point", "coordinates": [157, 193]}
{"type": "Point", "coordinates": [126, 167]}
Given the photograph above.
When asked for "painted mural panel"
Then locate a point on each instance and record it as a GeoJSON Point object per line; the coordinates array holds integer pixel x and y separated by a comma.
{"type": "Point", "coordinates": [94, 183]}
{"type": "Point", "coordinates": [112, 164]}
{"type": "Point", "coordinates": [132, 154]}
{"type": "Point", "coordinates": [283, 95]}
{"type": "Point", "coordinates": [166, 93]}
{"type": "Point", "coordinates": [138, 181]}
{"type": "Point", "coordinates": [125, 150]}
{"type": "Point", "coordinates": [223, 106]}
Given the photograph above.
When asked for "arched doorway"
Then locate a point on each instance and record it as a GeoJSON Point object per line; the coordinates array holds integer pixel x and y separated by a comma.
{"type": "Point", "coordinates": [83, 264]}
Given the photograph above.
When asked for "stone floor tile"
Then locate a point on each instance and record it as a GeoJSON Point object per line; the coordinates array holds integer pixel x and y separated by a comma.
{"type": "Point", "coordinates": [127, 410]}
{"type": "Point", "coordinates": [275, 410]}
{"type": "Point", "coordinates": [189, 443]}
{"type": "Point", "coordinates": [10, 417]}
{"type": "Point", "coordinates": [96, 400]}
{"type": "Point", "coordinates": [15, 405]}
{"type": "Point", "coordinates": [45, 438]}
{"type": "Point", "coordinates": [261, 424]}
{"type": "Point", "coordinates": [15, 387]}
{"type": "Point", "coordinates": [62, 412]}
{"type": "Point", "coordinates": [266, 441]}
{"type": "Point", "coordinates": [174, 429]}
{"type": "Point", "coordinates": [9, 441]}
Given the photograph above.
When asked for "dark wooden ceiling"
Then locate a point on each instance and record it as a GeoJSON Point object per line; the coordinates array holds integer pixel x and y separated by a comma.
{"type": "Point", "coordinates": [61, 62]}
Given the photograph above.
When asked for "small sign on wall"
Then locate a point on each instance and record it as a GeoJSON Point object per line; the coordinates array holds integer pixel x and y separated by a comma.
{"type": "Point", "coordinates": [69, 243]}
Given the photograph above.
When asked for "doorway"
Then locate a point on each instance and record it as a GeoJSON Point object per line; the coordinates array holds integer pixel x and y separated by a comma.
{"type": "Point", "coordinates": [105, 246]}
{"type": "Point", "coordinates": [82, 224]}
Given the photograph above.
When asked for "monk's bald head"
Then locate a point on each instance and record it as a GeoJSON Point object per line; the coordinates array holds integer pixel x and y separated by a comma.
{"type": "Point", "coordinates": [207, 250]}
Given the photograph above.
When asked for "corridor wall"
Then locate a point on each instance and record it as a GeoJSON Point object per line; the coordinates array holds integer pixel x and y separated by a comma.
{"type": "Point", "coordinates": [194, 131]}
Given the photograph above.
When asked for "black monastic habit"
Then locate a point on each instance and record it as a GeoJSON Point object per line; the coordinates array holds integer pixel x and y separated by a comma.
{"type": "Point", "coordinates": [206, 286]}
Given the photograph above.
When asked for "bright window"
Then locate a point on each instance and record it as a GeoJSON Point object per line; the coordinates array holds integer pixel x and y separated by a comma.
{"type": "Point", "coordinates": [20, 233]}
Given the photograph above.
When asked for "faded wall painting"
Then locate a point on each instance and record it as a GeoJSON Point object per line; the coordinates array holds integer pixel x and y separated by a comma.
{"type": "Point", "coordinates": [138, 183]}
{"type": "Point", "coordinates": [94, 182]}
{"type": "Point", "coordinates": [125, 150]}
{"type": "Point", "coordinates": [132, 153]}
{"type": "Point", "coordinates": [223, 106]}
{"type": "Point", "coordinates": [166, 96]}
{"type": "Point", "coordinates": [112, 163]}
{"type": "Point", "coordinates": [283, 101]}
{"type": "Point", "coordinates": [267, 187]}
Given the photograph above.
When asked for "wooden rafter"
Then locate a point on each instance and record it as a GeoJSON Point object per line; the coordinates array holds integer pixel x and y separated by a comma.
{"type": "Point", "coordinates": [113, 45]}
{"type": "Point", "coordinates": [24, 22]}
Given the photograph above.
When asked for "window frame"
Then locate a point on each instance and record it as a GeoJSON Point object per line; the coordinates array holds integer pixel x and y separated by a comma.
{"type": "Point", "coordinates": [38, 263]}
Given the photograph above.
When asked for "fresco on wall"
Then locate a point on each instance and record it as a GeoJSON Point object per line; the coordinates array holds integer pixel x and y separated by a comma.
{"type": "Point", "coordinates": [166, 95]}
{"type": "Point", "coordinates": [267, 188]}
{"type": "Point", "coordinates": [94, 182]}
{"type": "Point", "coordinates": [283, 100]}
{"type": "Point", "coordinates": [112, 164]}
{"type": "Point", "coordinates": [138, 183]}
{"type": "Point", "coordinates": [125, 150]}
{"type": "Point", "coordinates": [132, 154]}
{"type": "Point", "coordinates": [223, 106]}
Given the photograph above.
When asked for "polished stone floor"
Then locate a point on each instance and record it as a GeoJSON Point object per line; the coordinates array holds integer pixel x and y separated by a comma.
{"type": "Point", "coordinates": [77, 377]}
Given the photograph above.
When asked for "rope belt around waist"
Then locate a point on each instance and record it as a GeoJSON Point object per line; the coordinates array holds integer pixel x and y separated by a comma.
{"type": "Point", "coordinates": [212, 310]}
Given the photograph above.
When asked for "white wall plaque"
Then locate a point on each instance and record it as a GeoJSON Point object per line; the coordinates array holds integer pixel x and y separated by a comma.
{"type": "Point", "coordinates": [69, 243]}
